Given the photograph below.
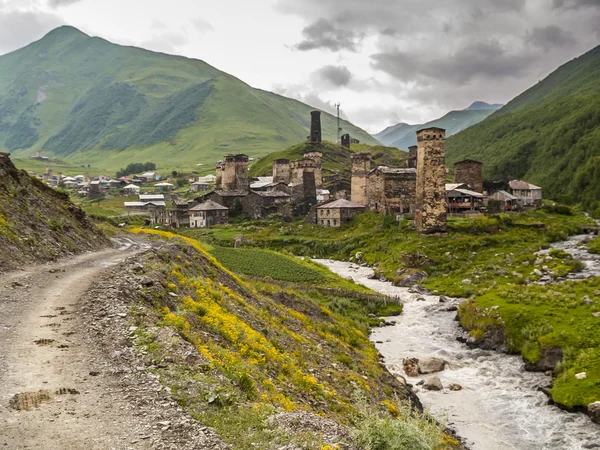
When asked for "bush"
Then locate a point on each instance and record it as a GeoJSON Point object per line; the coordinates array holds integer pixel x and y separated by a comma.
{"type": "Point", "coordinates": [558, 209]}
{"type": "Point", "coordinates": [389, 433]}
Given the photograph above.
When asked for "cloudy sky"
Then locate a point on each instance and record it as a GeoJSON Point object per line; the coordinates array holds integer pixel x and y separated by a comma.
{"type": "Point", "coordinates": [385, 61]}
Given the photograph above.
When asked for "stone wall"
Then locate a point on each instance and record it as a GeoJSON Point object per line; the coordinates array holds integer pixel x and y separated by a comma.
{"type": "Point", "coordinates": [281, 171]}
{"type": "Point", "coordinates": [430, 214]}
{"type": "Point", "coordinates": [219, 180]}
{"type": "Point", "coordinates": [412, 157]}
{"type": "Point", "coordinates": [392, 191]}
{"type": "Point", "coordinates": [469, 172]}
{"type": "Point", "coordinates": [317, 157]}
{"type": "Point", "coordinates": [361, 166]}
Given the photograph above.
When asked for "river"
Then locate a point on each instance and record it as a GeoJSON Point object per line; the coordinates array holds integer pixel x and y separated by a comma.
{"type": "Point", "coordinates": [500, 406]}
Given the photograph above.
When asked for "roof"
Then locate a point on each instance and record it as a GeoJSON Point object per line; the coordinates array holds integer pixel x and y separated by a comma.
{"type": "Point", "coordinates": [468, 161]}
{"type": "Point", "coordinates": [147, 174]}
{"type": "Point", "coordinates": [469, 193]}
{"type": "Point", "coordinates": [506, 195]}
{"type": "Point", "coordinates": [273, 194]}
{"type": "Point", "coordinates": [522, 185]}
{"type": "Point", "coordinates": [163, 184]}
{"type": "Point", "coordinates": [200, 183]}
{"type": "Point", "coordinates": [431, 128]}
{"type": "Point", "coordinates": [323, 191]}
{"type": "Point", "coordinates": [132, 186]}
{"type": "Point", "coordinates": [141, 204]}
{"type": "Point", "coordinates": [229, 193]}
{"type": "Point", "coordinates": [260, 184]}
{"type": "Point", "coordinates": [341, 203]}
{"type": "Point", "coordinates": [453, 186]}
{"type": "Point", "coordinates": [150, 197]}
{"type": "Point", "coordinates": [209, 205]}
{"type": "Point", "coordinates": [211, 176]}
{"type": "Point", "coordinates": [392, 170]}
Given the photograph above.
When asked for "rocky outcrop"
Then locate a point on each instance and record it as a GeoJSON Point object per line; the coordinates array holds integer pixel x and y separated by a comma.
{"type": "Point", "coordinates": [38, 223]}
{"type": "Point", "coordinates": [594, 411]}
{"type": "Point", "coordinates": [408, 277]}
{"type": "Point", "coordinates": [549, 359]}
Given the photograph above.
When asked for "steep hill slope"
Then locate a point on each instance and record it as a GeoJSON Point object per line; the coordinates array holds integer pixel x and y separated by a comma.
{"type": "Point", "coordinates": [336, 160]}
{"type": "Point", "coordinates": [549, 135]}
{"type": "Point", "coordinates": [38, 223]}
{"type": "Point", "coordinates": [403, 135]}
{"type": "Point", "coordinates": [89, 101]}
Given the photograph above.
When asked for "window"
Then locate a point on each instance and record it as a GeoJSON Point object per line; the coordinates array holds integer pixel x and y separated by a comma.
{"type": "Point", "coordinates": [328, 211]}
{"type": "Point", "coordinates": [328, 223]}
{"type": "Point", "coordinates": [334, 222]}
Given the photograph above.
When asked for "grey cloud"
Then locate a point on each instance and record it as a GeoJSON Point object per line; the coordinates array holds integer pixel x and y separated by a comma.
{"type": "Point", "coordinates": [322, 34]}
{"type": "Point", "coordinates": [549, 37]}
{"type": "Point", "coordinates": [335, 76]}
{"type": "Point", "coordinates": [59, 3]}
{"type": "Point", "coordinates": [20, 28]}
{"type": "Point", "coordinates": [310, 98]}
{"type": "Point", "coordinates": [202, 25]}
{"type": "Point", "coordinates": [485, 59]}
{"type": "Point", "coordinates": [574, 4]}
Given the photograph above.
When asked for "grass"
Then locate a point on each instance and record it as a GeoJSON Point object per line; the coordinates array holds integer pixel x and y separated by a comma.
{"type": "Point", "coordinates": [266, 348]}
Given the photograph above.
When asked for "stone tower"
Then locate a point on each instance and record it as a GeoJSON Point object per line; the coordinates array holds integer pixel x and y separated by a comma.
{"type": "Point", "coordinates": [469, 172]}
{"type": "Point", "coordinates": [315, 126]}
{"type": "Point", "coordinates": [346, 140]}
{"type": "Point", "coordinates": [412, 157]}
{"type": "Point", "coordinates": [281, 171]}
{"type": "Point", "coordinates": [317, 157]}
{"type": "Point", "coordinates": [430, 214]}
{"type": "Point", "coordinates": [361, 166]}
{"type": "Point", "coordinates": [219, 180]}
{"type": "Point", "coordinates": [235, 173]}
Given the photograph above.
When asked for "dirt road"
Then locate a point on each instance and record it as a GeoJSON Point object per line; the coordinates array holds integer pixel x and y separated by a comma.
{"type": "Point", "coordinates": [58, 391]}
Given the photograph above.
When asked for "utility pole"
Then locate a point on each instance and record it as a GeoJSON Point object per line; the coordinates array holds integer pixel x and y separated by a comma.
{"type": "Point", "coordinates": [337, 106]}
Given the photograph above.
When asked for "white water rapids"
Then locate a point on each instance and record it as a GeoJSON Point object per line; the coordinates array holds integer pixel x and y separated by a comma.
{"type": "Point", "coordinates": [500, 406]}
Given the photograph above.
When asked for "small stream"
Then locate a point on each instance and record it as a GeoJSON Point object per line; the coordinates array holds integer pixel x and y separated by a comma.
{"type": "Point", "coordinates": [500, 406]}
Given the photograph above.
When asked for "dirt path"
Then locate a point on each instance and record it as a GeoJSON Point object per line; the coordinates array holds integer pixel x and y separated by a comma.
{"type": "Point", "coordinates": [59, 389]}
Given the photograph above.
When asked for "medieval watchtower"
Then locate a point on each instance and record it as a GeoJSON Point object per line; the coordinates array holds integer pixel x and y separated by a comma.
{"type": "Point", "coordinates": [315, 126]}
{"type": "Point", "coordinates": [346, 140]}
{"type": "Point", "coordinates": [219, 174]}
{"type": "Point", "coordinates": [281, 171]}
{"type": "Point", "coordinates": [430, 217]}
{"type": "Point", "coordinates": [361, 166]}
{"type": "Point", "coordinates": [317, 157]}
{"type": "Point", "coordinates": [412, 156]}
{"type": "Point", "coordinates": [469, 172]}
{"type": "Point", "coordinates": [235, 173]}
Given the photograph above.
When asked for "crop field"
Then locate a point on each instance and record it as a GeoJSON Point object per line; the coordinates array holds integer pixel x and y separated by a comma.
{"type": "Point", "coordinates": [265, 263]}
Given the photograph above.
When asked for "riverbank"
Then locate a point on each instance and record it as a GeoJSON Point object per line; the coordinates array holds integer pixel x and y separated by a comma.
{"type": "Point", "coordinates": [500, 405]}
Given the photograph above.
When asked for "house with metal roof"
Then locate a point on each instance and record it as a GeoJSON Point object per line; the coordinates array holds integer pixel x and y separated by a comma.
{"type": "Point", "coordinates": [208, 214]}
{"type": "Point", "coordinates": [337, 213]}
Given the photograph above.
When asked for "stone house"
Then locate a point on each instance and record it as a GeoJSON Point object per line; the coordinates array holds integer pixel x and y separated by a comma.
{"type": "Point", "coordinates": [337, 213]}
{"type": "Point", "coordinates": [391, 190]}
{"type": "Point", "coordinates": [208, 214]}
{"type": "Point", "coordinates": [199, 186]}
{"type": "Point", "coordinates": [528, 195]}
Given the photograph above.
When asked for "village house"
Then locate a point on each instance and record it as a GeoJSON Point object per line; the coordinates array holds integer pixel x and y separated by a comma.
{"type": "Point", "coordinates": [208, 214]}
{"type": "Point", "coordinates": [506, 201]}
{"type": "Point", "coordinates": [199, 186]}
{"type": "Point", "coordinates": [131, 189]}
{"type": "Point", "coordinates": [391, 190]}
{"type": "Point", "coordinates": [528, 195]}
{"type": "Point", "coordinates": [337, 213]}
{"type": "Point", "coordinates": [462, 200]}
{"type": "Point", "coordinates": [163, 187]}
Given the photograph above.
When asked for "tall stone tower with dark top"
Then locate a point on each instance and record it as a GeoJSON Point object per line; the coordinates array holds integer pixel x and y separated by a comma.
{"type": "Point", "coordinates": [469, 172]}
{"type": "Point", "coordinates": [281, 171]}
{"type": "Point", "coordinates": [315, 126]}
{"type": "Point", "coordinates": [430, 216]}
{"type": "Point", "coordinates": [412, 157]}
{"type": "Point", "coordinates": [235, 173]}
{"type": "Point", "coordinates": [361, 166]}
{"type": "Point", "coordinates": [346, 140]}
{"type": "Point", "coordinates": [219, 180]}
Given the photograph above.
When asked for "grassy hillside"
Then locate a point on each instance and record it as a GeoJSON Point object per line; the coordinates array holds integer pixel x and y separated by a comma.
{"type": "Point", "coordinates": [403, 135]}
{"type": "Point", "coordinates": [89, 101]}
{"type": "Point", "coordinates": [258, 350]}
{"type": "Point", "coordinates": [549, 135]}
{"type": "Point", "coordinates": [336, 159]}
{"type": "Point", "coordinates": [38, 223]}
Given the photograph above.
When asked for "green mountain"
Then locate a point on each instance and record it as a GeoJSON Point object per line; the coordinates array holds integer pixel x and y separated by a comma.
{"type": "Point", "coordinates": [549, 135]}
{"type": "Point", "coordinates": [88, 101]}
{"type": "Point", "coordinates": [337, 163]}
{"type": "Point", "coordinates": [403, 135]}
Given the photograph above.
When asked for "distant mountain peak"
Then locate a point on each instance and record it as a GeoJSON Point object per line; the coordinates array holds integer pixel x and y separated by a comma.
{"type": "Point", "coordinates": [483, 106]}
{"type": "Point", "coordinates": [65, 31]}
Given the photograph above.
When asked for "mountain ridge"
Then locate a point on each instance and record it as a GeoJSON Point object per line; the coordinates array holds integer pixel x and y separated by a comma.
{"type": "Point", "coordinates": [83, 98]}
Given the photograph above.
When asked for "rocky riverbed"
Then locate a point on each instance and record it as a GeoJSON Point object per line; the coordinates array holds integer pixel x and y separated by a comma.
{"type": "Point", "coordinates": [488, 397]}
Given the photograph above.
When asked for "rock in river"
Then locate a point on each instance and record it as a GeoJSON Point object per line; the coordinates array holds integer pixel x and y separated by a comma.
{"type": "Point", "coordinates": [411, 367]}
{"type": "Point", "coordinates": [431, 365]}
{"type": "Point", "coordinates": [594, 411]}
{"type": "Point", "coordinates": [433, 384]}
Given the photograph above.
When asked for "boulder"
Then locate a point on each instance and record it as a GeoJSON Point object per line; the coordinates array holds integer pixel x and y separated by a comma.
{"type": "Point", "coordinates": [431, 365]}
{"type": "Point", "coordinates": [587, 300]}
{"type": "Point", "coordinates": [581, 375]}
{"type": "Point", "coordinates": [418, 289]}
{"type": "Point", "coordinates": [455, 387]}
{"type": "Point", "coordinates": [411, 367]}
{"type": "Point", "coordinates": [409, 278]}
{"type": "Point", "coordinates": [594, 411]}
{"type": "Point", "coordinates": [444, 299]}
{"type": "Point", "coordinates": [433, 384]}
